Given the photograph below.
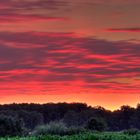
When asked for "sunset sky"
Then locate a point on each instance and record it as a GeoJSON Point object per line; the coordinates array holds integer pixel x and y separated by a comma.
{"type": "Point", "coordinates": [70, 51]}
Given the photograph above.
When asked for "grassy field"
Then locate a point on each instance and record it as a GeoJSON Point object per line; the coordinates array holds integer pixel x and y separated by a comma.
{"type": "Point", "coordinates": [84, 136]}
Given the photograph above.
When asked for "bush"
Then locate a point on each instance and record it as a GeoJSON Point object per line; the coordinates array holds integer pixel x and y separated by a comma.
{"type": "Point", "coordinates": [74, 130]}
{"type": "Point", "coordinates": [132, 131]}
{"type": "Point", "coordinates": [56, 128]}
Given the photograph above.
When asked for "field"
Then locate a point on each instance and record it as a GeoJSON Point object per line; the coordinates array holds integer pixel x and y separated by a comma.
{"type": "Point", "coordinates": [84, 136]}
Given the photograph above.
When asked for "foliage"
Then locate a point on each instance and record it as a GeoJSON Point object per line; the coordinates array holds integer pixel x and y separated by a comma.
{"type": "Point", "coordinates": [51, 128]}
{"type": "Point", "coordinates": [96, 124]}
{"type": "Point", "coordinates": [74, 130]}
{"type": "Point", "coordinates": [73, 115]}
{"type": "Point", "coordinates": [132, 131]}
{"type": "Point", "coordinates": [82, 136]}
{"type": "Point", "coordinates": [56, 128]}
{"type": "Point", "coordinates": [31, 119]}
{"type": "Point", "coordinates": [10, 126]}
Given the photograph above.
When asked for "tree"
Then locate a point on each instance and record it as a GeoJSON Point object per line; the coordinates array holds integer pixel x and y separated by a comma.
{"type": "Point", "coordinates": [10, 126]}
{"type": "Point", "coordinates": [71, 118]}
{"type": "Point", "coordinates": [96, 124]}
{"type": "Point", "coordinates": [30, 119]}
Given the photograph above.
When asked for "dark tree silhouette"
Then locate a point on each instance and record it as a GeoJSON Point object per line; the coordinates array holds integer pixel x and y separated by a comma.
{"type": "Point", "coordinates": [10, 126]}
{"type": "Point", "coordinates": [75, 114]}
{"type": "Point", "coordinates": [96, 124]}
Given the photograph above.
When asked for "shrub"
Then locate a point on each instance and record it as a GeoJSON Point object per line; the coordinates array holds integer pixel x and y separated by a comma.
{"type": "Point", "coordinates": [54, 128]}
{"type": "Point", "coordinates": [132, 131]}
{"type": "Point", "coordinates": [57, 128]}
{"type": "Point", "coordinates": [74, 130]}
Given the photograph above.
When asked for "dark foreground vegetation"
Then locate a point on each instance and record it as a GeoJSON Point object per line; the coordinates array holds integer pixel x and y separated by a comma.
{"type": "Point", "coordinates": [84, 136]}
{"type": "Point", "coordinates": [68, 121]}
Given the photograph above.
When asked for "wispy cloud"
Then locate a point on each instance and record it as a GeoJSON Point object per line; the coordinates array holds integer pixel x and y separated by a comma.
{"type": "Point", "coordinates": [55, 45]}
{"type": "Point", "coordinates": [15, 18]}
{"type": "Point", "coordinates": [133, 29]}
{"type": "Point", "coordinates": [64, 59]}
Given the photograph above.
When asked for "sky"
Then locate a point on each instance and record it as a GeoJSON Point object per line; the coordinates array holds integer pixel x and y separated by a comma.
{"type": "Point", "coordinates": [70, 51]}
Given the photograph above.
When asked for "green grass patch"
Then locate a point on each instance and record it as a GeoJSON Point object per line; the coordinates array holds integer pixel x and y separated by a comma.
{"type": "Point", "coordinates": [82, 136]}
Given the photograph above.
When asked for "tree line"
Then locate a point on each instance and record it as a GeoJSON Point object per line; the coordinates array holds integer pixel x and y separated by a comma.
{"type": "Point", "coordinates": [26, 117]}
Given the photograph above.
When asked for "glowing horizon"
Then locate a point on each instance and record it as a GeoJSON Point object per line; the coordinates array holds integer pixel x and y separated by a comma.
{"type": "Point", "coordinates": [108, 101]}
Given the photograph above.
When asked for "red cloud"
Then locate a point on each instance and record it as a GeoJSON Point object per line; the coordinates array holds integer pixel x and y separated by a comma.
{"type": "Point", "coordinates": [124, 29]}
{"type": "Point", "coordinates": [61, 61]}
{"type": "Point", "coordinates": [28, 18]}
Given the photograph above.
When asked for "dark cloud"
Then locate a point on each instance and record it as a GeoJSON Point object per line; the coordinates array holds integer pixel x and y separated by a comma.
{"type": "Point", "coordinates": [28, 18]}
{"type": "Point", "coordinates": [64, 58]}
{"type": "Point", "coordinates": [32, 4]}
{"type": "Point", "coordinates": [134, 29]}
{"type": "Point", "coordinates": [27, 11]}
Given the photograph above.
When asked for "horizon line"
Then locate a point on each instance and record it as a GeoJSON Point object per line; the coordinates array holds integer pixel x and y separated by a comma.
{"type": "Point", "coordinates": [96, 106]}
